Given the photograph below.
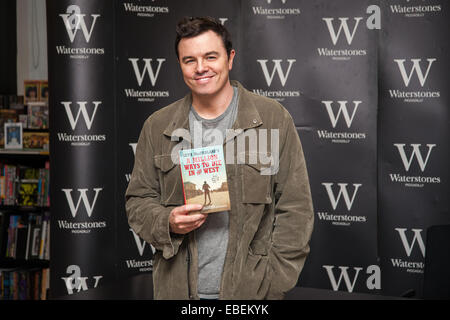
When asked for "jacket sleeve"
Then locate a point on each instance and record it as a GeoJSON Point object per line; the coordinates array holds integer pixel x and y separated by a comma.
{"type": "Point", "coordinates": [294, 216]}
{"type": "Point", "coordinates": [146, 216]}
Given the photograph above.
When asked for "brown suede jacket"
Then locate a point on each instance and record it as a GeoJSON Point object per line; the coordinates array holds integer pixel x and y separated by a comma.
{"type": "Point", "coordinates": [271, 216]}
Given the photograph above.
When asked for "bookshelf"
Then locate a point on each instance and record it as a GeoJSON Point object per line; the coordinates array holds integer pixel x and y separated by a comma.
{"type": "Point", "coordinates": [24, 208]}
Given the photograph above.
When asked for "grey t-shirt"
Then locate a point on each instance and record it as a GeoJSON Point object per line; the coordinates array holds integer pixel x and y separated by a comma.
{"type": "Point", "coordinates": [212, 236]}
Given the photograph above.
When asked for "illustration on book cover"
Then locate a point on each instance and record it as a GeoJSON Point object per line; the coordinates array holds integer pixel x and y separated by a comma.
{"type": "Point", "coordinates": [204, 178]}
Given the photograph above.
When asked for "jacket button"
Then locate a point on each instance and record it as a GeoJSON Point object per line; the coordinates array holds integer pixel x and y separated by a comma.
{"type": "Point", "coordinates": [255, 121]}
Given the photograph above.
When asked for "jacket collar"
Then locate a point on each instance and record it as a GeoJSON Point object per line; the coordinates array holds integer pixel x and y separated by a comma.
{"type": "Point", "coordinates": [247, 116]}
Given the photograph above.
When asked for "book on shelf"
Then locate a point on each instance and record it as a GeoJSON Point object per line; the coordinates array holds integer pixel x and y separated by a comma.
{"type": "Point", "coordinates": [24, 284]}
{"type": "Point", "coordinates": [28, 237]}
{"type": "Point", "coordinates": [4, 223]}
{"type": "Point", "coordinates": [6, 115]}
{"type": "Point", "coordinates": [36, 140]}
{"type": "Point", "coordinates": [37, 115]}
{"type": "Point", "coordinates": [25, 186]}
{"type": "Point", "coordinates": [204, 178]}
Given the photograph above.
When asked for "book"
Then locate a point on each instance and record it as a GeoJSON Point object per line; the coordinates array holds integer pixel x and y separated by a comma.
{"type": "Point", "coordinates": [31, 88]}
{"type": "Point", "coordinates": [36, 140]}
{"type": "Point", "coordinates": [204, 178]}
{"type": "Point", "coordinates": [35, 238]}
{"type": "Point", "coordinates": [37, 115]}
{"type": "Point", "coordinates": [4, 223]}
{"type": "Point", "coordinates": [6, 115]}
{"type": "Point", "coordinates": [28, 192]}
{"type": "Point", "coordinates": [21, 238]}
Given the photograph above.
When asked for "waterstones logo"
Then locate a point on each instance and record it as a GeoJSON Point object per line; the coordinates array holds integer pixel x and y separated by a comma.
{"type": "Point", "coordinates": [75, 282]}
{"type": "Point", "coordinates": [421, 71]}
{"type": "Point", "coordinates": [141, 265]}
{"type": "Point", "coordinates": [348, 279]}
{"type": "Point", "coordinates": [419, 156]}
{"type": "Point", "coordinates": [144, 11]}
{"type": "Point", "coordinates": [146, 71]}
{"type": "Point", "coordinates": [80, 28]}
{"type": "Point", "coordinates": [276, 13]}
{"type": "Point", "coordinates": [81, 110]}
{"type": "Point", "coordinates": [341, 32]}
{"type": "Point", "coordinates": [81, 227]}
{"type": "Point", "coordinates": [341, 219]}
{"type": "Point", "coordinates": [412, 241]}
{"type": "Point", "coordinates": [282, 76]}
{"type": "Point", "coordinates": [341, 112]}
{"type": "Point", "coordinates": [415, 11]}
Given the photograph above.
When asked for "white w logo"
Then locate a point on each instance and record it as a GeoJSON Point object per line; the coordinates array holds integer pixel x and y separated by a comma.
{"type": "Point", "coordinates": [81, 109]}
{"type": "Point", "coordinates": [415, 153]}
{"type": "Point", "coordinates": [74, 20]}
{"type": "Point", "coordinates": [416, 67]}
{"type": "Point", "coordinates": [417, 237]}
{"type": "Point", "coordinates": [343, 110]}
{"type": "Point", "coordinates": [83, 197]}
{"type": "Point", "coordinates": [147, 70]}
{"type": "Point", "coordinates": [277, 68]}
{"type": "Point", "coordinates": [335, 36]}
{"type": "Point", "coordinates": [342, 192]}
{"type": "Point", "coordinates": [133, 147]}
{"type": "Point", "coordinates": [344, 275]}
{"type": "Point", "coordinates": [141, 243]}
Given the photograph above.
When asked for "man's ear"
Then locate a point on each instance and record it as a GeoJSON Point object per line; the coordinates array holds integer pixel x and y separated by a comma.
{"type": "Point", "coordinates": [231, 59]}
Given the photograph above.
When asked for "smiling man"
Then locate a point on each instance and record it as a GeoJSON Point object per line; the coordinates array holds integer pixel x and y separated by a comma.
{"type": "Point", "coordinates": [257, 249]}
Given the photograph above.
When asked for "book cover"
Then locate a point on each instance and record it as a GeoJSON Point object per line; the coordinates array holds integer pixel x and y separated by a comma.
{"type": "Point", "coordinates": [31, 88]}
{"type": "Point", "coordinates": [28, 192]}
{"type": "Point", "coordinates": [21, 238]}
{"type": "Point", "coordinates": [6, 115]}
{"type": "Point", "coordinates": [36, 140]}
{"type": "Point", "coordinates": [37, 115]}
{"type": "Point", "coordinates": [204, 178]}
{"type": "Point", "coordinates": [35, 240]}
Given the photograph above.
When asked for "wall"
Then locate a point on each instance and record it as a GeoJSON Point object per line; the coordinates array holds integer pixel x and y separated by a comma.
{"type": "Point", "coordinates": [31, 42]}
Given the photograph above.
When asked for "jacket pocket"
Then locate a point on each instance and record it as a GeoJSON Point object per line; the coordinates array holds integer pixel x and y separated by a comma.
{"type": "Point", "coordinates": [256, 188]}
{"type": "Point", "coordinates": [170, 180]}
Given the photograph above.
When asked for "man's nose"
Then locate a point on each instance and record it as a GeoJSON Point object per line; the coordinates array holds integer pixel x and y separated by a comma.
{"type": "Point", "coordinates": [202, 67]}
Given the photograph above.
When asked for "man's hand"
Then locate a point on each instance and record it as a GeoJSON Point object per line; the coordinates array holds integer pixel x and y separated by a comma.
{"type": "Point", "coordinates": [186, 218]}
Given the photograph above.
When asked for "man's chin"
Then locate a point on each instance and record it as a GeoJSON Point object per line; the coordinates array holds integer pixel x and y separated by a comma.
{"type": "Point", "coordinates": [202, 91]}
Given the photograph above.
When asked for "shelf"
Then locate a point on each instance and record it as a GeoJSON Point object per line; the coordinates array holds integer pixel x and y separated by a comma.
{"type": "Point", "coordinates": [22, 263]}
{"type": "Point", "coordinates": [24, 209]}
{"type": "Point", "coordinates": [35, 130]}
{"type": "Point", "coordinates": [25, 152]}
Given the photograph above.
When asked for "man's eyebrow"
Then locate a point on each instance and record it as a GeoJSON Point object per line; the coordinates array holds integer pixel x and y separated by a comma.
{"type": "Point", "coordinates": [184, 59]}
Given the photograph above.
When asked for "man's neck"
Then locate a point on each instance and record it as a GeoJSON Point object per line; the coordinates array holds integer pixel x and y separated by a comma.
{"type": "Point", "coordinates": [212, 106]}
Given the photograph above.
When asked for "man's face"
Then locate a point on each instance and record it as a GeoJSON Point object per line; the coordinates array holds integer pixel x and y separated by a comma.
{"type": "Point", "coordinates": [204, 63]}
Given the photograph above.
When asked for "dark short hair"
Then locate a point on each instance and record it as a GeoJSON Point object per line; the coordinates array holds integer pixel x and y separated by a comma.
{"type": "Point", "coordinates": [190, 27]}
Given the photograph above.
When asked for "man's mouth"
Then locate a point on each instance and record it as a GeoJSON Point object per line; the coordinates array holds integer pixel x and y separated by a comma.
{"type": "Point", "coordinates": [203, 79]}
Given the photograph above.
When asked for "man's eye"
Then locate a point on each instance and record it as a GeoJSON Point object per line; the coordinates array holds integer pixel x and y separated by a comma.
{"type": "Point", "coordinates": [211, 58]}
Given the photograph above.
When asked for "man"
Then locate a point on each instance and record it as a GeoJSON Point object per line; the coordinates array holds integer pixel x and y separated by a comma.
{"type": "Point", "coordinates": [258, 248]}
{"type": "Point", "coordinates": [207, 192]}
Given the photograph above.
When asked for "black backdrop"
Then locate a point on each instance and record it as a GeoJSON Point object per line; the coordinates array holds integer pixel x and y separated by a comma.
{"type": "Point", "coordinates": [365, 82]}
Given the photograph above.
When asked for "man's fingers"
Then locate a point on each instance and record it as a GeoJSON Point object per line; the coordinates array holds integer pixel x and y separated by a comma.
{"type": "Point", "coordinates": [188, 208]}
{"type": "Point", "coordinates": [184, 219]}
{"type": "Point", "coordinates": [188, 219]}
